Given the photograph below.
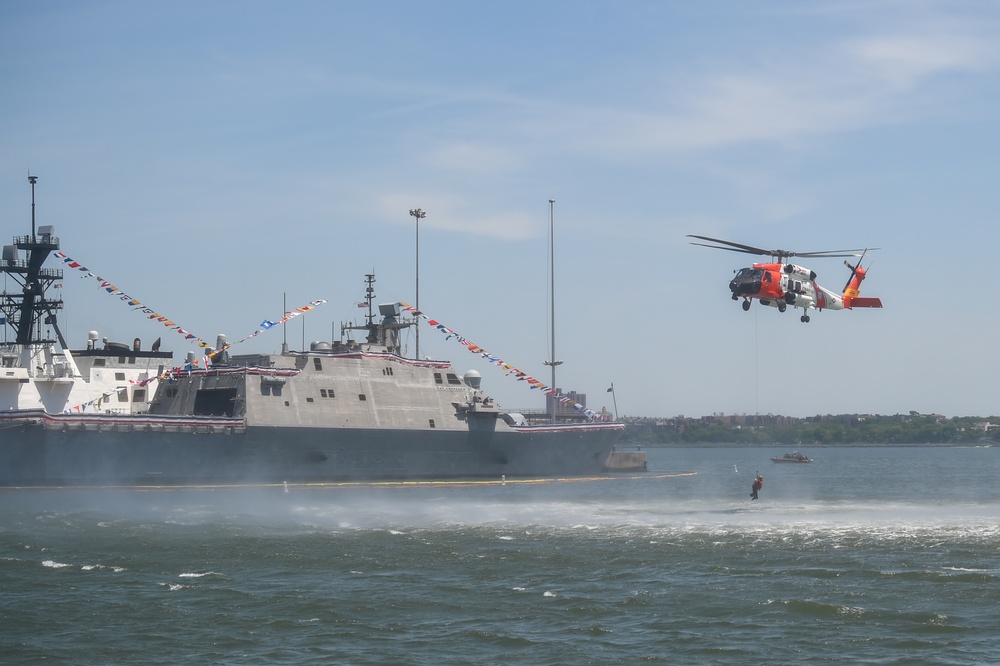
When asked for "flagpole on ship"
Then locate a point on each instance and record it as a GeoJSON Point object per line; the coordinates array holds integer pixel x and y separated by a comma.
{"type": "Point", "coordinates": [284, 329]}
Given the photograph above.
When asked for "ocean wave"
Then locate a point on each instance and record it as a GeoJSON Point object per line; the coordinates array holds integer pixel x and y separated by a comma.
{"type": "Point", "coordinates": [52, 564]}
{"type": "Point", "coordinates": [102, 567]}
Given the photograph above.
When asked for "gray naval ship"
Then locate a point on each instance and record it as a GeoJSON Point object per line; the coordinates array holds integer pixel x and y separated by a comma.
{"type": "Point", "coordinates": [343, 410]}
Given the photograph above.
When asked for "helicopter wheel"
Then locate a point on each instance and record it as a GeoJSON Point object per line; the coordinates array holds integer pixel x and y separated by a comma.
{"type": "Point", "coordinates": [804, 319]}
{"type": "Point", "coordinates": [746, 305]}
{"type": "Point", "coordinates": [781, 307]}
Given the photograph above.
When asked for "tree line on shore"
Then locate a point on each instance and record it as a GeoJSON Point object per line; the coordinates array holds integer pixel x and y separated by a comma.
{"type": "Point", "coordinates": [829, 430]}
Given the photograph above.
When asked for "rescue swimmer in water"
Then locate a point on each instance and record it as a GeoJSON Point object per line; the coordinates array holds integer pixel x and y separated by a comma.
{"type": "Point", "coordinates": [756, 486]}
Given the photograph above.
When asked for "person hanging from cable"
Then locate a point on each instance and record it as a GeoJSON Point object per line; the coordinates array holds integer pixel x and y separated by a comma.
{"type": "Point", "coordinates": [758, 482]}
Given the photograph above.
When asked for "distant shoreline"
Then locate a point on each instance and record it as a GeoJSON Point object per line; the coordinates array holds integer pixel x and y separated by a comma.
{"type": "Point", "coordinates": [857, 445]}
{"type": "Point", "coordinates": [840, 430]}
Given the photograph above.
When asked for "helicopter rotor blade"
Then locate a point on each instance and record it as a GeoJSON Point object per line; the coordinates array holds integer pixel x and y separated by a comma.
{"type": "Point", "coordinates": [777, 254]}
{"type": "Point", "coordinates": [733, 247]}
{"type": "Point", "coordinates": [835, 253]}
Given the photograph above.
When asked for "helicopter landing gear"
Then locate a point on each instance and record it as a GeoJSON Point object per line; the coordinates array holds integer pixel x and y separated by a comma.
{"type": "Point", "coordinates": [782, 307]}
{"type": "Point", "coordinates": [746, 305]}
{"type": "Point", "coordinates": [804, 319]}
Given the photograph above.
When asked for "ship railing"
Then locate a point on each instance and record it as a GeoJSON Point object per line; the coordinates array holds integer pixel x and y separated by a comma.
{"type": "Point", "coordinates": [10, 357]}
{"type": "Point", "coordinates": [42, 241]}
{"type": "Point", "coordinates": [9, 352]}
{"type": "Point", "coordinates": [113, 423]}
{"type": "Point", "coordinates": [22, 265]}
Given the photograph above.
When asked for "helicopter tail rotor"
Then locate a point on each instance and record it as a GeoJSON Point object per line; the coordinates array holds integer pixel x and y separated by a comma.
{"type": "Point", "coordinates": [854, 272]}
{"type": "Point", "coordinates": [851, 289]}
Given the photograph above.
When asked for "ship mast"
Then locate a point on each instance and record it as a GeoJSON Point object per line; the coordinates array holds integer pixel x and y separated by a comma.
{"type": "Point", "coordinates": [29, 311]}
{"type": "Point", "coordinates": [385, 333]}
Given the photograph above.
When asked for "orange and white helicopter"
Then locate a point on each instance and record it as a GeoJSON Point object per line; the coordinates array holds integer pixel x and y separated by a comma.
{"type": "Point", "coordinates": [780, 284]}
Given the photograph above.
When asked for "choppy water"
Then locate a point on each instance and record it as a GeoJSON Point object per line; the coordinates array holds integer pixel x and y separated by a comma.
{"type": "Point", "coordinates": [868, 555]}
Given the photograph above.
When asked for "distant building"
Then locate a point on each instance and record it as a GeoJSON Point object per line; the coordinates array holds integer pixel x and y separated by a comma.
{"type": "Point", "coordinates": [565, 411]}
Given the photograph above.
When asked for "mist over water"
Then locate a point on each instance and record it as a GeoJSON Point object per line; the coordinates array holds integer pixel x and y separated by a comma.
{"type": "Point", "coordinates": [877, 555]}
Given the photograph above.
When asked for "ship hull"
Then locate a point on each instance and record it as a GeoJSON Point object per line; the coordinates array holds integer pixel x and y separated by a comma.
{"type": "Point", "coordinates": [343, 410]}
{"type": "Point", "coordinates": [66, 451]}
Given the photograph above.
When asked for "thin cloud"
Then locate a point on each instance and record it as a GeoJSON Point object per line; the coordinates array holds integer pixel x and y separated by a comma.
{"type": "Point", "coordinates": [839, 87]}
{"type": "Point", "coordinates": [905, 61]}
{"type": "Point", "coordinates": [474, 156]}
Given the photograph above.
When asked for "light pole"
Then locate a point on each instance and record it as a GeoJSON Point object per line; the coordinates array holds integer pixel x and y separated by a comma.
{"type": "Point", "coordinates": [552, 298]}
{"type": "Point", "coordinates": [418, 214]}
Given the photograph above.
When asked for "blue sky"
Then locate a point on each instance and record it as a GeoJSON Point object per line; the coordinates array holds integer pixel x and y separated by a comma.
{"type": "Point", "coordinates": [213, 159]}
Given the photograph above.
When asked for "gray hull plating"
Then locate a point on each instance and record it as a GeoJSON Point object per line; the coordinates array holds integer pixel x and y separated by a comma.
{"type": "Point", "coordinates": [222, 452]}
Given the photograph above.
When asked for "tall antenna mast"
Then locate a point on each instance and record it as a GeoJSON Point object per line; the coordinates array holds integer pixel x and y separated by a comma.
{"type": "Point", "coordinates": [419, 214]}
{"type": "Point", "coordinates": [552, 298]}
{"type": "Point", "coordinates": [32, 180]}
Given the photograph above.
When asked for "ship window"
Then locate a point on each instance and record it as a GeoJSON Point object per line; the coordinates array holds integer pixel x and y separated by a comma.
{"type": "Point", "coordinates": [99, 362]}
{"type": "Point", "coordinates": [121, 360]}
{"type": "Point", "coordinates": [119, 376]}
{"type": "Point", "coordinates": [139, 395]}
{"type": "Point", "coordinates": [310, 400]}
{"type": "Point", "coordinates": [326, 393]}
{"type": "Point", "coordinates": [318, 364]}
{"type": "Point", "coordinates": [437, 378]}
{"type": "Point", "coordinates": [387, 372]}
{"type": "Point", "coordinates": [453, 379]}
{"type": "Point", "coordinates": [123, 395]}
{"type": "Point", "coordinates": [362, 397]}
{"type": "Point", "coordinates": [431, 422]}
